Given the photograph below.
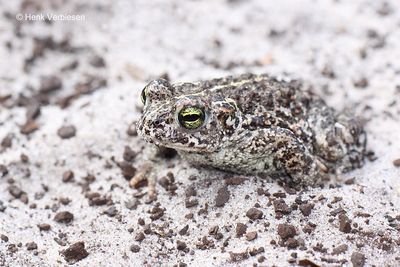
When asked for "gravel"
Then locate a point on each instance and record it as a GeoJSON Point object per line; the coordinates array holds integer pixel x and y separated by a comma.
{"type": "Point", "coordinates": [70, 97]}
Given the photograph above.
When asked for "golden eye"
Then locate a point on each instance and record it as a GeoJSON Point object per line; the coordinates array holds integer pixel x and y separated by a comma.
{"type": "Point", "coordinates": [191, 117]}
{"type": "Point", "coordinates": [143, 95]}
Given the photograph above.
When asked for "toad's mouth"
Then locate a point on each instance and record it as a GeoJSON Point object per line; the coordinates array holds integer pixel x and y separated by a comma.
{"type": "Point", "coordinates": [188, 149]}
{"type": "Point", "coordinates": [177, 145]}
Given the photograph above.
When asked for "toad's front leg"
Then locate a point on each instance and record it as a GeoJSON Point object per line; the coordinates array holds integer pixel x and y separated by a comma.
{"type": "Point", "coordinates": [145, 172]}
{"type": "Point", "coordinates": [155, 162]}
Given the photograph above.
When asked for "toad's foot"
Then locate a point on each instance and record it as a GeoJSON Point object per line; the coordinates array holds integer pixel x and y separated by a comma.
{"type": "Point", "coordinates": [144, 172]}
{"type": "Point", "coordinates": [317, 173]}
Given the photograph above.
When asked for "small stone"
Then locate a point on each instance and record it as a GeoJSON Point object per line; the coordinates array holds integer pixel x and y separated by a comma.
{"type": "Point", "coordinates": [222, 196]}
{"type": "Point", "coordinates": [344, 223]}
{"type": "Point", "coordinates": [385, 9]}
{"type": "Point", "coordinates": [165, 182]}
{"type": "Point", "coordinates": [24, 198]}
{"type": "Point", "coordinates": [12, 248]}
{"type": "Point", "coordinates": [7, 141]}
{"type": "Point", "coordinates": [340, 249]}
{"type": "Point", "coordinates": [139, 237]}
{"type": "Point", "coordinates": [70, 66]}
{"type": "Point", "coordinates": [357, 259]}
{"type": "Point", "coordinates": [256, 251]}
{"type": "Point", "coordinates": [111, 211]}
{"type": "Point", "coordinates": [254, 214]}
{"type": "Point", "coordinates": [286, 231]}
{"type": "Point", "coordinates": [2, 207]}
{"type": "Point", "coordinates": [156, 213]}
{"type": "Point", "coordinates": [67, 131]}
{"type": "Point", "coordinates": [24, 158]}
{"type": "Point", "coordinates": [336, 199]}
{"type": "Point", "coordinates": [328, 72]}
{"type": "Point", "coordinates": [280, 206]}
{"type": "Point", "coordinates": [306, 209]}
{"type": "Point", "coordinates": [67, 176]}
{"type": "Point", "coordinates": [189, 203]}
{"type": "Point", "coordinates": [49, 84]}
{"type": "Point", "coordinates": [184, 230]}
{"type": "Point", "coordinates": [135, 248]}
{"type": "Point", "coordinates": [90, 84]}
{"type": "Point", "coordinates": [31, 246]}
{"type": "Point", "coordinates": [361, 83]}
{"type": "Point", "coordinates": [261, 259]}
{"type": "Point", "coordinates": [279, 194]}
{"type": "Point", "coordinates": [240, 256]}
{"type": "Point", "coordinates": [3, 170]}
{"type": "Point", "coordinates": [396, 162]}
{"type": "Point", "coordinates": [44, 227]}
{"type": "Point", "coordinates": [180, 245]}
{"type": "Point", "coordinates": [240, 229]}
{"type": "Point", "coordinates": [132, 131]}
{"type": "Point", "coordinates": [350, 181]}
{"type": "Point", "coordinates": [251, 236]}
{"type": "Point", "coordinates": [75, 252]}
{"type": "Point", "coordinates": [64, 217]}
{"type": "Point", "coordinates": [15, 191]}
{"type": "Point", "coordinates": [4, 238]}
{"type": "Point", "coordinates": [129, 154]}
{"type": "Point", "coordinates": [98, 201]}
{"type": "Point", "coordinates": [29, 127]}
{"type": "Point", "coordinates": [292, 243]}
{"type": "Point", "coordinates": [128, 171]}
{"type": "Point", "coordinates": [190, 192]}
{"type": "Point", "coordinates": [89, 178]}
{"type": "Point", "coordinates": [213, 230]}
{"type": "Point", "coordinates": [32, 111]}
{"type": "Point", "coordinates": [132, 204]}
{"type": "Point", "coordinates": [141, 221]}
{"type": "Point", "coordinates": [97, 61]}
{"type": "Point", "coordinates": [64, 200]}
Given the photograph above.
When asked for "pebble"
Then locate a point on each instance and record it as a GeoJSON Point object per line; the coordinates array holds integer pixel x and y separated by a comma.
{"type": "Point", "coordinates": [357, 259]}
{"type": "Point", "coordinates": [49, 84]}
{"type": "Point", "coordinates": [340, 249]}
{"type": "Point", "coordinates": [344, 223]}
{"type": "Point", "coordinates": [75, 252]}
{"type": "Point", "coordinates": [251, 236]}
{"type": "Point", "coordinates": [286, 231]}
{"type": "Point", "coordinates": [67, 131]}
{"type": "Point", "coordinates": [67, 176]}
{"type": "Point", "coordinates": [241, 229]}
{"type": "Point", "coordinates": [31, 246]}
{"type": "Point", "coordinates": [254, 214]}
{"type": "Point", "coordinates": [135, 248]}
{"type": "Point", "coordinates": [222, 197]}
{"type": "Point", "coordinates": [64, 217]}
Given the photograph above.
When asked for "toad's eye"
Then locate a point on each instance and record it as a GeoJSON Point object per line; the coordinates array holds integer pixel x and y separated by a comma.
{"type": "Point", "coordinates": [191, 117]}
{"type": "Point", "coordinates": [143, 95]}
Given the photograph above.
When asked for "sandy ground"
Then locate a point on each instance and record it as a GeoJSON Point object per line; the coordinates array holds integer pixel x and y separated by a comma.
{"type": "Point", "coordinates": [69, 93]}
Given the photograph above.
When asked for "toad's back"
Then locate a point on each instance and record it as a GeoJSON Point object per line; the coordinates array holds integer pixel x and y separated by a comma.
{"type": "Point", "coordinates": [255, 94]}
